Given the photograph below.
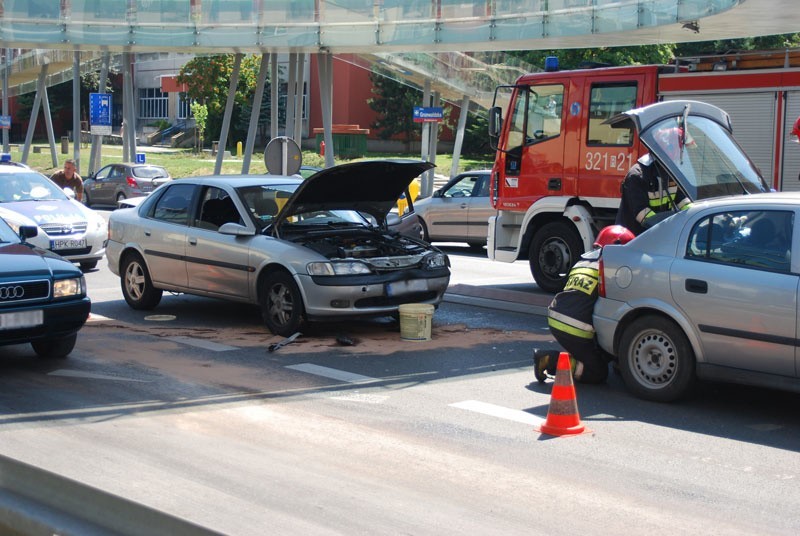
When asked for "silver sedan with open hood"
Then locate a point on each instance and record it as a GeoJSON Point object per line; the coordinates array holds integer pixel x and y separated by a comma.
{"type": "Point", "coordinates": [312, 250]}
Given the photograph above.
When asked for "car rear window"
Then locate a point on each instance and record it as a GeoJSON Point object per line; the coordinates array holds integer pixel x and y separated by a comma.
{"type": "Point", "coordinates": [152, 172]}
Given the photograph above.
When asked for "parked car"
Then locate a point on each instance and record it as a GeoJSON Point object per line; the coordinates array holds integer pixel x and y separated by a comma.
{"type": "Point", "coordinates": [64, 225]}
{"type": "Point", "coordinates": [302, 249]}
{"type": "Point", "coordinates": [712, 291]}
{"type": "Point", "coordinates": [42, 296]}
{"type": "Point", "coordinates": [459, 211]}
{"type": "Point", "coordinates": [306, 171]}
{"type": "Point", "coordinates": [116, 182]}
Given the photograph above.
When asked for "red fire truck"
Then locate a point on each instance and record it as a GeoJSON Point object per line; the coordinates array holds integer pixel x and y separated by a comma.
{"type": "Point", "coordinates": [559, 164]}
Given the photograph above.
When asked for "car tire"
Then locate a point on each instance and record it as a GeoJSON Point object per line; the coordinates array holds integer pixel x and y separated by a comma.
{"type": "Point", "coordinates": [55, 347]}
{"type": "Point", "coordinates": [88, 265]}
{"type": "Point", "coordinates": [121, 197]}
{"type": "Point", "coordinates": [137, 287]}
{"type": "Point", "coordinates": [281, 304]}
{"type": "Point", "coordinates": [86, 199]}
{"type": "Point", "coordinates": [554, 249]}
{"type": "Point", "coordinates": [424, 231]}
{"type": "Point", "coordinates": [656, 360]}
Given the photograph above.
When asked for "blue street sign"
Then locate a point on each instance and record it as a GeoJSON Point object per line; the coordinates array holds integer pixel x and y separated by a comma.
{"type": "Point", "coordinates": [140, 158]}
{"type": "Point", "coordinates": [5, 121]}
{"type": "Point", "coordinates": [431, 114]}
{"type": "Point", "coordinates": [100, 113]}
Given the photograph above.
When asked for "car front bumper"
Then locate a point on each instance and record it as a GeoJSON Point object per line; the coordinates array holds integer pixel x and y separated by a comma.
{"type": "Point", "coordinates": [60, 319]}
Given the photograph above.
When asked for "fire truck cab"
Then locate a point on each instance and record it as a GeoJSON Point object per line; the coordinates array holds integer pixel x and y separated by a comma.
{"type": "Point", "coordinates": [560, 162]}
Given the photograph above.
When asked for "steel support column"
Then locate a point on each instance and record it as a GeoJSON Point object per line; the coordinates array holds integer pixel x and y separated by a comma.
{"type": "Point", "coordinates": [226, 118]}
{"type": "Point", "coordinates": [254, 113]}
{"type": "Point", "coordinates": [462, 125]}
{"type": "Point", "coordinates": [325, 69]}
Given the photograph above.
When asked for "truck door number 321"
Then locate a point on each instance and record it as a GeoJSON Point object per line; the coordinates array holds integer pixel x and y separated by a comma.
{"type": "Point", "coordinates": [597, 161]}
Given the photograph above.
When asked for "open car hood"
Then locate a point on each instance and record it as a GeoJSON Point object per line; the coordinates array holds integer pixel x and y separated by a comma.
{"type": "Point", "coordinates": [693, 141]}
{"type": "Point", "coordinates": [371, 186]}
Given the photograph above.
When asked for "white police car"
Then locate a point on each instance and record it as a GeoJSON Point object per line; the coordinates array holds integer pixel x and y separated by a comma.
{"type": "Point", "coordinates": [64, 225]}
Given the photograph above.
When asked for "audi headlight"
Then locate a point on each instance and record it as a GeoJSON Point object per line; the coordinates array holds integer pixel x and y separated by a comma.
{"type": "Point", "coordinates": [437, 260]}
{"type": "Point", "coordinates": [338, 268]}
{"type": "Point", "coordinates": [63, 288]}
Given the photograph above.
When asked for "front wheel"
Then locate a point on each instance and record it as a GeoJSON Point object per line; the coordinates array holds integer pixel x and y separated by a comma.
{"type": "Point", "coordinates": [55, 347]}
{"type": "Point", "coordinates": [281, 304]}
{"type": "Point", "coordinates": [656, 359]}
{"type": "Point", "coordinates": [137, 287]}
{"type": "Point", "coordinates": [555, 248]}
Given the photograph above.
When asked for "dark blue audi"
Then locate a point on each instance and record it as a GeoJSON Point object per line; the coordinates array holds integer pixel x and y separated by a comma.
{"type": "Point", "coordinates": [43, 297]}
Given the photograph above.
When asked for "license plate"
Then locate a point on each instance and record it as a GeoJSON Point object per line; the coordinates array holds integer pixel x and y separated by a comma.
{"type": "Point", "coordinates": [21, 319]}
{"type": "Point", "coordinates": [405, 287]}
{"type": "Point", "coordinates": [67, 243]}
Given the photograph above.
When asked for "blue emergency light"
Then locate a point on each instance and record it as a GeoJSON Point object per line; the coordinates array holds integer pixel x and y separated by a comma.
{"type": "Point", "coordinates": [5, 157]}
{"type": "Point", "coordinates": [551, 64]}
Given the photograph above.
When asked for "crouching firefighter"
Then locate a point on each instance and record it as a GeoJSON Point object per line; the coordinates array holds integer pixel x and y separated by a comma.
{"type": "Point", "coordinates": [570, 316]}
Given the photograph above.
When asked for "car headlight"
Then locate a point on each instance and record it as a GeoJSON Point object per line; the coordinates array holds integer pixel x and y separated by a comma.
{"type": "Point", "coordinates": [63, 288]}
{"type": "Point", "coordinates": [437, 260]}
{"type": "Point", "coordinates": [337, 268]}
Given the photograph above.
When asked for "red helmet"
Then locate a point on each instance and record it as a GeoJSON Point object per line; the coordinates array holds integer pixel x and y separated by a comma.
{"type": "Point", "coordinates": [796, 131]}
{"type": "Point", "coordinates": [613, 234]}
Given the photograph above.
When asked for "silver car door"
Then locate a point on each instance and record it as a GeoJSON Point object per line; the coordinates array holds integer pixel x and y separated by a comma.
{"type": "Point", "coordinates": [738, 290]}
{"type": "Point", "coordinates": [163, 236]}
{"type": "Point", "coordinates": [99, 190]}
{"type": "Point", "coordinates": [217, 264]}
{"type": "Point", "coordinates": [448, 215]}
{"type": "Point", "coordinates": [480, 210]}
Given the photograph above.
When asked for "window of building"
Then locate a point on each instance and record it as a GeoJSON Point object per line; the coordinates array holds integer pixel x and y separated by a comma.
{"type": "Point", "coordinates": [184, 106]}
{"type": "Point", "coordinates": [153, 103]}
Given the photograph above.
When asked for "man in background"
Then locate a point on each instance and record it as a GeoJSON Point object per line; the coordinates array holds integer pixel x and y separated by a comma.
{"type": "Point", "coordinates": [69, 178]}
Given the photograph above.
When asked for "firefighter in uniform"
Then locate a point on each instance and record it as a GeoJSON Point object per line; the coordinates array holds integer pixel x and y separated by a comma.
{"type": "Point", "coordinates": [647, 197]}
{"type": "Point", "coordinates": [570, 316]}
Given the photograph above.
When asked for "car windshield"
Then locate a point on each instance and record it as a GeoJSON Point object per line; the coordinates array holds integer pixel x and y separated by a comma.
{"type": "Point", "coordinates": [29, 186]}
{"type": "Point", "coordinates": [704, 157]}
{"type": "Point", "coordinates": [265, 201]}
{"type": "Point", "coordinates": [7, 234]}
{"type": "Point", "coordinates": [150, 172]}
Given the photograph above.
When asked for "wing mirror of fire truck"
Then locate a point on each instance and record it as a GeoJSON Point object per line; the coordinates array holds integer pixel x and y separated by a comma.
{"type": "Point", "coordinates": [495, 125]}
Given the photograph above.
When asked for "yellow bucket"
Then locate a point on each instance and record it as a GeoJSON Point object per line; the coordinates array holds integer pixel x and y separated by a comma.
{"type": "Point", "coordinates": [415, 321]}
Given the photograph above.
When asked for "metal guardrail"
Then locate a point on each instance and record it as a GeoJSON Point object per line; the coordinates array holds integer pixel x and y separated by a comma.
{"type": "Point", "coordinates": [36, 502]}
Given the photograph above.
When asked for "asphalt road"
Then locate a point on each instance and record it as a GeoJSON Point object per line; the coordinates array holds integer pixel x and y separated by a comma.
{"type": "Point", "coordinates": [188, 412]}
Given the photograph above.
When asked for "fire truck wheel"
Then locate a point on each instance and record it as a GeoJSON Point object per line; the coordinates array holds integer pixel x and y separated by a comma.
{"type": "Point", "coordinates": [554, 249]}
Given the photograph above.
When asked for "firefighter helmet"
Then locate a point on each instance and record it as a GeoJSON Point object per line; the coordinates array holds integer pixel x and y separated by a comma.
{"type": "Point", "coordinates": [613, 234]}
{"type": "Point", "coordinates": [796, 131]}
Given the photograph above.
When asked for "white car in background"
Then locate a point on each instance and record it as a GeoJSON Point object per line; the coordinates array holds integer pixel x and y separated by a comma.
{"type": "Point", "coordinates": [65, 226]}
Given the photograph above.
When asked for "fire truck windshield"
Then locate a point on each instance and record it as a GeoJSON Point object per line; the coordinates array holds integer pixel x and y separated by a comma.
{"type": "Point", "coordinates": [703, 157]}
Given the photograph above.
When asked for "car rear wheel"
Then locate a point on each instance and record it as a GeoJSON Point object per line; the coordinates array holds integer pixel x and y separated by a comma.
{"type": "Point", "coordinates": [281, 304]}
{"type": "Point", "coordinates": [656, 360]}
{"type": "Point", "coordinates": [137, 287]}
{"type": "Point", "coordinates": [121, 197]}
{"type": "Point", "coordinates": [554, 249]}
{"type": "Point", "coordinates": [55, 347]}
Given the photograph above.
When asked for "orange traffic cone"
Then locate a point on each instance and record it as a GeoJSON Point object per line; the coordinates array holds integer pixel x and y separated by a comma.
{"type": "Point", "coordinates": [562, 416]}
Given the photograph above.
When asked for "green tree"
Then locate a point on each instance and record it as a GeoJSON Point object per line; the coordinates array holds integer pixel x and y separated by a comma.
{"type": "Point", "coordinates": [200, 113]}
{"type": "Point", "coordinates": [208, 78]}
{"type": "Point", "coordinates": [394, 103]}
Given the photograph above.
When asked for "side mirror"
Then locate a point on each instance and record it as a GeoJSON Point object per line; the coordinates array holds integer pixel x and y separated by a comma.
{"type": "Point", "coordinates": [70, 192]}
{"type": "Point", "coordinates": [235, 229]}
{"type": "Point", "coordinates": [438, 193]}
{"type": "Point", "coordinates": [27, 231]}
{"type": "Point", "coordinates": [495, 125]}
{"type": "Point", "coordinates": [392, 219]}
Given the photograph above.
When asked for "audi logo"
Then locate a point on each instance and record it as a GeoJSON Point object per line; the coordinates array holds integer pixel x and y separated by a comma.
{"type": "Point", "coordinates": [11, 292]}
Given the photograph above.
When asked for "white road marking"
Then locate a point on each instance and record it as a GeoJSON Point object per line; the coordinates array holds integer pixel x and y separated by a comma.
{"type": "Point", "coordinates": [366, 398]}
{"type": "Point", "coordinates": [90, 375]}
{"type": "Point", "coordinates": [201, 343]}
{"type": "Point", "coordinates": [499, 411]}
{"type": "Point", "coordinates": [334, 374]}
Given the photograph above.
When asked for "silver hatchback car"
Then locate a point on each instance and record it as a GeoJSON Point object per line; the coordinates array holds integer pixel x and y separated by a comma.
{"type": "Point", "coordinates": [459, 211]}
{"type": "Point", "coordinates": [303, 250]}
{"type": "Point", "coordinates": [711, 292]}
{"type": "Point", "coordinates": [117, 182]}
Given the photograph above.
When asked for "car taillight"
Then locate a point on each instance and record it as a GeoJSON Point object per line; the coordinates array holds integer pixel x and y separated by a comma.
{"type": "Point", "coordinates": [131, 182]}
{"type": "Point", "coordinates": [601, 279]}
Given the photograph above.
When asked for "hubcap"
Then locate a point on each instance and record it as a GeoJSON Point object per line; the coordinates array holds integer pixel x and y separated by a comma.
{"type": "Point", "coordinates": [134, 280]}
{"type": "Point", "coordinates": [280, 304]}
{"type": "Point", "coordinates": [655, 362]}
{"type": "Point", "coordinates": [554, 258]}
